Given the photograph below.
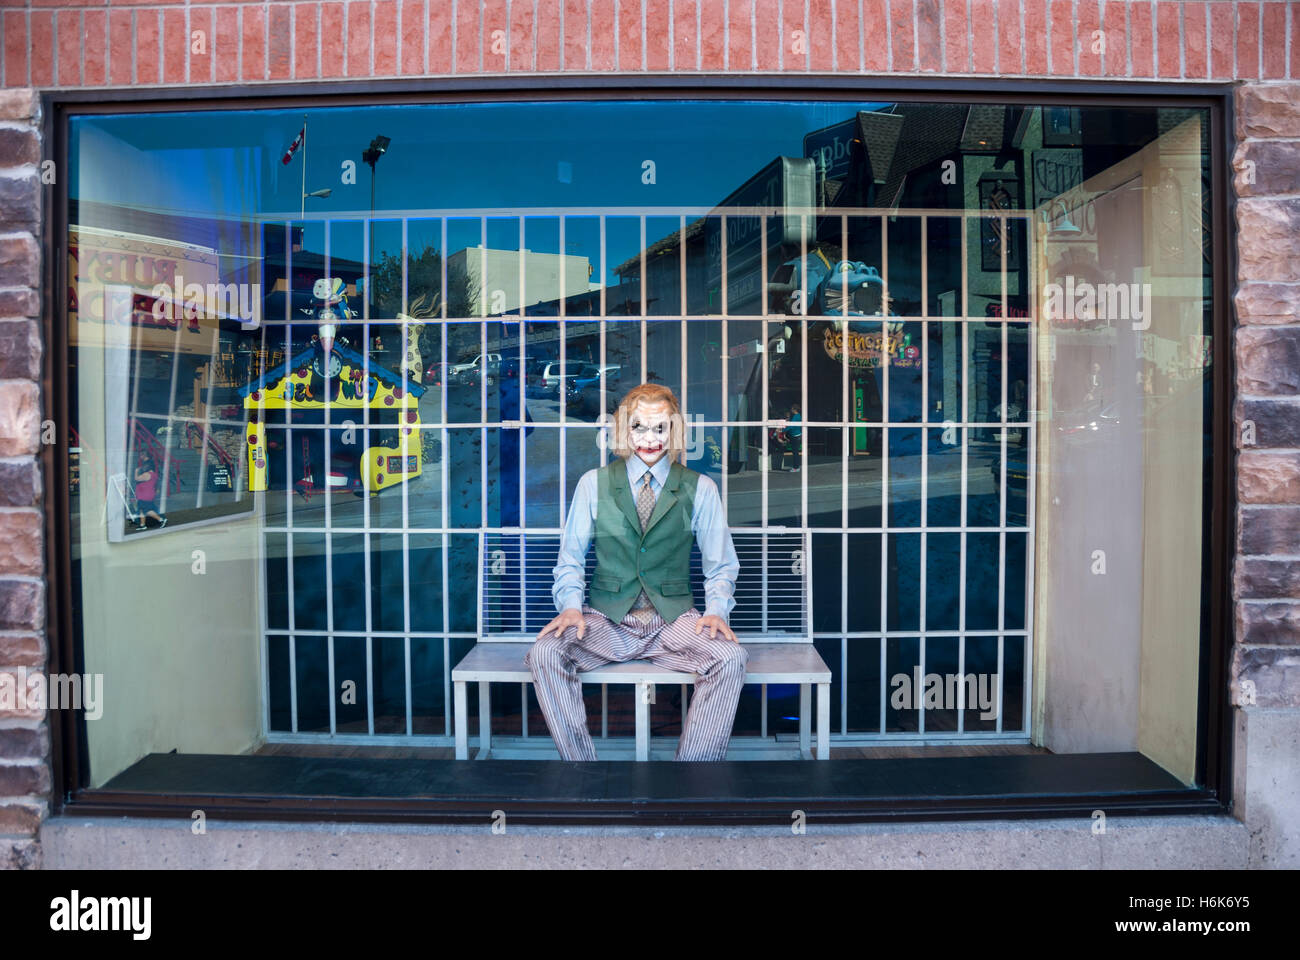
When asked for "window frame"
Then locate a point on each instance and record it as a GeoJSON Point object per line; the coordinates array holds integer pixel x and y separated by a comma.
{"type": "Point", "coordinates": [71, 795]}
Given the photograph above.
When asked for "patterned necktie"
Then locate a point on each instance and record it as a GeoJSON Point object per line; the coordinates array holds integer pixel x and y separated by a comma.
{"type": "Point", "coordinates": [642, 608]}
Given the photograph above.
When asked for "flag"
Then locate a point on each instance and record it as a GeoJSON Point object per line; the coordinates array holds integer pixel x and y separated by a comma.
{"type": "Point", "coordinates": [293, 147]}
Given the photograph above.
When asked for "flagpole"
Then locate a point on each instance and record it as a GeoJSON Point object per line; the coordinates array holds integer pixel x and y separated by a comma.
{"type": "Point", "coordinates": [303, 214]}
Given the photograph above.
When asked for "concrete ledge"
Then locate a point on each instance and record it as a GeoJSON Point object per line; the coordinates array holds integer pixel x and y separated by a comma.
{"type": "Point", "coordinates": [1189, 842]}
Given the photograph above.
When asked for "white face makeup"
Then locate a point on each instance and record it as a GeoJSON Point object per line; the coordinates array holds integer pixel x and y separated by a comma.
{"type": "Point", "coordinates": [649, 429]}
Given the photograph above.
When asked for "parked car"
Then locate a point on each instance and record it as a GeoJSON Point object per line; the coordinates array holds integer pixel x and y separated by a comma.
{"type": "Point", "coordinates": [437, 374]}
{"type": "Point", "coordinates": [476, 363]}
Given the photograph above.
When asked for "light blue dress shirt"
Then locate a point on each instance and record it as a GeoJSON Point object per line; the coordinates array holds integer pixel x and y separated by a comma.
{"type": "Point", "coordinates": [717, 552]}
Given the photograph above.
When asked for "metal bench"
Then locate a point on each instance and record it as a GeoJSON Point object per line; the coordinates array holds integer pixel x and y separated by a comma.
{"type": "Point", "coordinates": [770, 617]}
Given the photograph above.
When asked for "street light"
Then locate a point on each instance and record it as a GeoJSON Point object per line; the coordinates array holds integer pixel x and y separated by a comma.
{"type": "Point", "coordinates": [378, 147]}
{"type": "Point", "coordinates": [317, 193]}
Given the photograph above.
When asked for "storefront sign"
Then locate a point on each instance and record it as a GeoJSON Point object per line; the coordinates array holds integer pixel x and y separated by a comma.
{"type": "Point", "coordinates": [864, 348]}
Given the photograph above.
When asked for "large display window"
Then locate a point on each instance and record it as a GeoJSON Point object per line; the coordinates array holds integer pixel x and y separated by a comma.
{"type": "Point", "coordinates": [334, 368]}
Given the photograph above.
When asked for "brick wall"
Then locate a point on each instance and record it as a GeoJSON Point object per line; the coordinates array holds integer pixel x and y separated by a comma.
{"type": "Point", "coordinates": [92, 43]}
{"type": "Point", "coordinates": [75, 43]}
{"type": "Point", "coordinates": [1267, 582]}
{"type": "Point", "coordinates": [24, 735]}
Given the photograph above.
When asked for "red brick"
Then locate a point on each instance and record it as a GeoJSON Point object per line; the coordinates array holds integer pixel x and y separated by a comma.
{"type": "Point", "coordinates": [22, 605]}
{"type": "Point", "coordinates": [20, 818]}
{"type": "Point", "coordinates": [767, 34]}
{"type": "Point", "coordinates": [20, 780]}
{"type": "Point", "coordinates": [929, 42]}
{"type": "Point", "coordinates": [713, 34]}
{"type": "Point", "coordinates": [1035, 42]}
{"type": "Point", "coordinates": [875, 36]}
{"type": "Point", "coordinates": [68, 36]}
{"type": "Point", "coordinates": [1062, 39]}
{"type": "Point", "coordinates": [1169, 41]}
{"type": "Point", "coordinates": [20, 342]}
{"type": "Point", "coordinates": [603, 55]}
{"type": "Point", "coordinates": [1274, 31]}
{"type": "Point", "coordinates": [279, 42]}
{"type": "Point", "coordinates": [1194, 61]}
{"type": "Point", "coordinates": [521, 35]}
{"type": "Point", "coordinates": [440, 37]}
{"type": "Point", "coordinates": [121, 47]}
{"type": "Point", "coordinates": [306, 39]}
{"type": "Point", "coordinates": [956, 49]}
{"type": "Point", "coordinates": [656, 41]}
{"type": "Point", "coordinates": [740, 40]}
{"type": "Point", "coordinates": [357, 61]}
{"type": "Point", "coordinates": [984, 36]}
{"type": "Point", "coordinates": [94, 29]}
{"type": "Point", "coordinates": [902, 35]}
{"type": "Point", "coordinates": [548, 35]}
{"type": "Point", "coordinates": [575, 35]}
{"type": "Point", "coordinates": [385, 38]}
{"type": "Point", "coordinates": [20, 261]}
{"type": "Point", "coordinates": [1088, 18]}
{"type": "Point", "coordinates": [821, 35]}
{"type": "Point", "coordinates": [148, 29]}
{"type": "Point", "coordinates": [16, 48]}
{"type": "Point", "coordinates": [468, 42]}
{"type": "Point", "coordinates": [686, 39]}
{"type": "Point", "coordinates": [630, 46]}
{"type": "Point", "coordinates": [199, 65]}
{"type": "Point", "coordinates": [252, 26]}
{"type": "Point", "coordinates": [1011, 52]}
{"type": "Point", "coordinates": [1142, 39]}
{"type": "Point", "coordinates": [20, 203]}
{"type": "Point", "coordinates": [1247, 41]}
{"type": "Point", "coordinates": [1295, 41]}
{"type": "Point", "coordinates": [1115, 27]}
{"type": "Point", "coordinates": [794, 36]}
{"type": "Point", "coordinates": [175, 47]}
{"type": "Point", "coordinates": [20, 544]}
{"type": "Point", "coordinates": [1222, 47]}
{"type": "Point", "coordinates": [411, 38]}
{"type": "Point", "coordinates": [20, 481]}
{"type": "Point", "coordinates": [42, 27]}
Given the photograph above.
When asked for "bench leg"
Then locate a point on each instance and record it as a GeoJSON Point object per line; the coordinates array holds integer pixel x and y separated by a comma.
{"type": "Point", "coordinates": [823, 721]}
{"type": "Point", "coordinates": [484, 719]}
{"type": "Point", "coordinates": [643, 720]}
{"type": "Point", "coordinates": [805, 720]}
{"type": "Point", "coordinates": [462, 721]}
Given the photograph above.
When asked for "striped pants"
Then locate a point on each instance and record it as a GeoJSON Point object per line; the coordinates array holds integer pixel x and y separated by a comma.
{"type": "Point", "coordinates": [719, 665]}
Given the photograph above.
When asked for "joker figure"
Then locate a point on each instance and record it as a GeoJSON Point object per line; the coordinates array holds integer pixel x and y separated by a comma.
{"type": "Point", "coordinates": [643, 510]}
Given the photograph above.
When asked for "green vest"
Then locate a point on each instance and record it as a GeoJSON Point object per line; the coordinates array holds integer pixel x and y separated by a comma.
{"type": "Point", "coordinates": [627, 560]}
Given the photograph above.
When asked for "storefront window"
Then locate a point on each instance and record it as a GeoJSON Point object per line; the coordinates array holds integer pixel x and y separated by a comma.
{"type": "Point", "coordinates": [320, 357]}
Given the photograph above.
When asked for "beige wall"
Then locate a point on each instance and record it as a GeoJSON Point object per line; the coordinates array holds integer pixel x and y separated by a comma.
{"type": "Point", "coordinates": [179, 652]}
{"type": "Point", "coordinates": [1117, 653]}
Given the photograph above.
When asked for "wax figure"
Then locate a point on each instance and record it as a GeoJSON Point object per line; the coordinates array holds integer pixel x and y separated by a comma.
{"type": "Point", "coordinates": [643, 511]}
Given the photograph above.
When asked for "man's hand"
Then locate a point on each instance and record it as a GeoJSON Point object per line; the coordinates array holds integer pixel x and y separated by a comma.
{"type": "Point", "coordinates": [569, 618]}
{"type": "Point", "coordinates": [715, 625]}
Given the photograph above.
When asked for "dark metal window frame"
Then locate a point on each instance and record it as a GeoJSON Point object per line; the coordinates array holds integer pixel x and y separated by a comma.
{"type": "Point", "coordinates": [825, 799]}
